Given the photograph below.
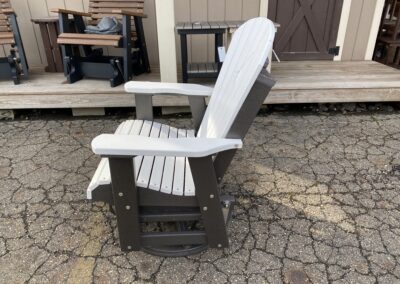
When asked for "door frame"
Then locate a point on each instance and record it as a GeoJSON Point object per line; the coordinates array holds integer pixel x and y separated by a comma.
{"type": "Point", "coordinates": [344, 20]}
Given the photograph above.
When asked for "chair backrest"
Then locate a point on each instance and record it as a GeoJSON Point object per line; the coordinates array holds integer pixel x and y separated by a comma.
{"type": "Point", "coordinates": [247, 54]}
{"type": "Point", "coordinates": [102, 8]}
{"type": "Point", "coordinates": [4, 24]}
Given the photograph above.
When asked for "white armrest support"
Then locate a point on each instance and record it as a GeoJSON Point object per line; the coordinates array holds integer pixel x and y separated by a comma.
{"type": "Point", "coordinates": [131, 145]}
{"type": "Point", "coordinates": [153, 88]}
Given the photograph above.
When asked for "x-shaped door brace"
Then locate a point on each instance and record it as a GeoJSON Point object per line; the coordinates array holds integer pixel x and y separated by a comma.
{"type": "Point", "coordinates": [303, 11]}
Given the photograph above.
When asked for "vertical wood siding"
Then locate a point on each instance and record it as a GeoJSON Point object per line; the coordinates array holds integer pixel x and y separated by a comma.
{"type": "Point", "coordinates": [201, 47]}
{"type": "Point", "coordinates": [28, 9]}
{"type": "Point", "coordinates": [358, 29]}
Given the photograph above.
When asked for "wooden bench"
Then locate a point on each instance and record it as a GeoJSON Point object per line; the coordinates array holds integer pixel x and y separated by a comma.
{"type": "Point", "coordinates": [92, 63]}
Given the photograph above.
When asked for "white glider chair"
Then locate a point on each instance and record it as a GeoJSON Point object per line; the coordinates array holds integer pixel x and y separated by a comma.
{"type": "Point", "coordinates": [154, 173]}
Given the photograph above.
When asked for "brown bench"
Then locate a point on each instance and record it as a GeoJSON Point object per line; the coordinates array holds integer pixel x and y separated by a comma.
{"type": "Point", "coordinates": [92, 63]}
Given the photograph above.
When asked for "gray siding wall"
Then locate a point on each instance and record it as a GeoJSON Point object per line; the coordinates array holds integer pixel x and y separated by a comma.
{"type": "Point", "coordinates": [358, 29]}
{"type": "Point", "coordinates": [28, 9]}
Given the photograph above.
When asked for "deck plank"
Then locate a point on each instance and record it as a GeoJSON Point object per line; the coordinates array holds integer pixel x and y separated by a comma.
{"type": "Point", "coordinates": [297, 82]}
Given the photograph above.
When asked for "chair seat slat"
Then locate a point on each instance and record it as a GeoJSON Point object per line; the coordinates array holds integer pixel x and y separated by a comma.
{"type": "Point", "coordinates": [158, 167]}
{"type": "Point", "coordinates": [179, 173]}
{"type": "Point", "coordinates": [168, 174]}
{"type": "Point", "coordinates": [147, 164]}
{"type": "Point", "coordinates": [189, 183]}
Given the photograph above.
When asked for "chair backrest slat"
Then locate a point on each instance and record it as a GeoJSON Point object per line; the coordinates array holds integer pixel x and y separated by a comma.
{"type": "Point", "coordinates": [102, 8]}
{"type": "Point", "coordinates": [247, 54]}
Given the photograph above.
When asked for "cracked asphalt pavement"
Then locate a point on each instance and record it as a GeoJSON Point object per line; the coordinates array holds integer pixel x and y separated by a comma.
{"type": "Point", "coordinates": [318, 202]}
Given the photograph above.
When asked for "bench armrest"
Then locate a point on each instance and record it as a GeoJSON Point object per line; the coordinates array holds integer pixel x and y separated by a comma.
{"type": "Point", "coordinates": [152, 88]}
{"type": "Point", "coordinates": [7, 11]}
{"type": "Point", "coordinates": [129, 13]}
{"type": "Point", "coordinates": [131, 145]}
{"type": "Point", "coordinates": [70, 12]}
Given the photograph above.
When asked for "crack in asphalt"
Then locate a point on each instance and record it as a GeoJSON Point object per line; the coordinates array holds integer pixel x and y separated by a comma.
{"type": "Point", "coordinates": [318, 202]}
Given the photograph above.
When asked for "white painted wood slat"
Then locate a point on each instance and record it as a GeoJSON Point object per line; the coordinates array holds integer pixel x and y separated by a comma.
{"type": "Point", "coordinates": [145, 131]}
{"type": "Point", "coordinates": [147, 164]}
{"type": "Point", "coordinates": [158, 167]}
{"type": "Point", "coordinates": [168, 174]}
{"type": "Point", "coordinates": [179, 173]}
{"type": "Point", "coordinates": [189, 183]}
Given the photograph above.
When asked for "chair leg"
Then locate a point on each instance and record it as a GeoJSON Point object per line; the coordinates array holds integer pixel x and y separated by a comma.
{"type": "Point", "coordinates": [73, 72]}
{"type": "Point", "coordinates": [66, 50]}
{"type": "Point", "coordinates": [127, 44]}
{"type": "Point", "coordinates": [118, 73]}
{"type": "Point", "coordinates": [20, 46]}
{"type": "Point", "coordinates": [209, 201]}
{"type": "Point", "coordinates": [13, 65]}
{"type": "Point", "coordinates": [390, 55]}
{"type": "Point", "coordinates": [126, 202]}
{"type": "Point", "coordinates": [142, 44]}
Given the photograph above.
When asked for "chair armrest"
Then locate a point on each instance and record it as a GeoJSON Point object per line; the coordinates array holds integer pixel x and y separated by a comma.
{"type": "Point", "coordinates": [70, 12]}
{"type": "Point", "coordinates": [152, 88]}
{"type": "Point", "coordinates": [129, 13]}
{"type": "Point", "coordinates": [7, 11]}
{"type": "Point", "coordinates": [131, 145]}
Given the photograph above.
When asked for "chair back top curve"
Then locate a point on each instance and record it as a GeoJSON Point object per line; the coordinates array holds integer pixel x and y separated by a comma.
{"type": "Point", "coordinates": [246, 56]}
{"type": "Point", "coordinates": [102, 8]}
{"type": "Point", "coordinates": [4, 23]}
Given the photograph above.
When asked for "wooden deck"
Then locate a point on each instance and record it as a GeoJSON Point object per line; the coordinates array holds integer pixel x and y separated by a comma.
{"type": "Point", "coordinates": [297, 82]}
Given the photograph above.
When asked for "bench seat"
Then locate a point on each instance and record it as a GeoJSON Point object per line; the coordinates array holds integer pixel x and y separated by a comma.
{"type": "Point", "coordinates": [170, 175]}
{"type": "Point", "coordinates": [89, 39]}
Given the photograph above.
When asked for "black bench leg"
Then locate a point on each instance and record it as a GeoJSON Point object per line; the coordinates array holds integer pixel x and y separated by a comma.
{"type": "Point", "coordinates": [13, 68]}
{"type": "Point", "coordinates": [184, 59]}
{"type": "Point", "coordinates": [209, 201]}
{"type": "Point", "coordinates": [125, 196]}
{"type": "Point", "coordinates": [20, 47]}
{"type": "Point", "coordinates": [219, 41]}
{"type": "Point", "coordinates": [73, 71]}
{"type": "Point", "coordinates": [142, 44]}
{"type": "Point", "coordinates": [119, 76]}
{"type": "Point", "coordinates": [127, 45]}
{"type": "Point", "coordinates": [71, 67]}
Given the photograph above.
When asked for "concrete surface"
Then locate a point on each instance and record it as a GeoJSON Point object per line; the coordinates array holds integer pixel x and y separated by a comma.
{"type": "Point", "coordinates": [318, 202]}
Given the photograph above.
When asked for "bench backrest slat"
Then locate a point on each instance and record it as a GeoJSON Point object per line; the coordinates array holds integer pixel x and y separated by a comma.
{"type": "Point", "coordinates": [102, 8]}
